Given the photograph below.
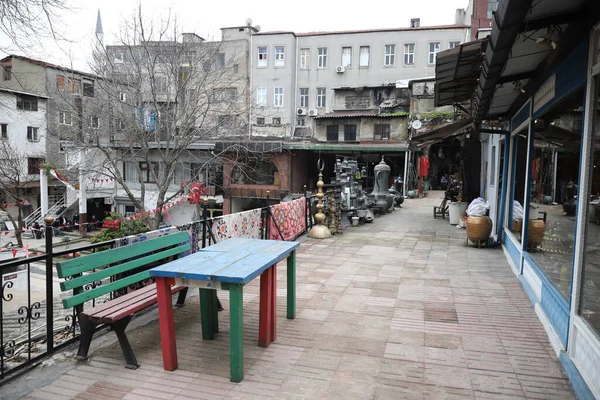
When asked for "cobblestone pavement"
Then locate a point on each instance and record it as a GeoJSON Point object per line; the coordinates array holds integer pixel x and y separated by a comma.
{"type": "Point", "coordinates": [396, 309]}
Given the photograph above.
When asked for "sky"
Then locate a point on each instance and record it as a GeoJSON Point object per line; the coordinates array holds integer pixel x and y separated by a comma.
{"type": "Point", "coordinates": [76, 25]}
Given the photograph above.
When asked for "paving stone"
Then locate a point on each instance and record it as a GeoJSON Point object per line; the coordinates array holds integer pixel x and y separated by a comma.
{"type": "Point", "coordinates": [396, 309]}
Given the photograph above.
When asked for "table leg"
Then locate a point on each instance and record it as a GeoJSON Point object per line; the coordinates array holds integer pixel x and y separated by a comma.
{"type": "Point", "coordinates": [166, 322]}
{"type": "Point", "coordinates": [208, 309]}
{"type": "Point", "coordinates": [291, 285]}
{"type": "Point", "coordinates": [273, 302]}
{"type": "Point", "coordinates": [265, 308]}
{"type": "Point", "coordinates": [236, 312]}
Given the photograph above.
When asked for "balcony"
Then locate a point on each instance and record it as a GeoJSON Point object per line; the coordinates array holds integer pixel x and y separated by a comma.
{"type": "Point", "coordinates": [398, 308]}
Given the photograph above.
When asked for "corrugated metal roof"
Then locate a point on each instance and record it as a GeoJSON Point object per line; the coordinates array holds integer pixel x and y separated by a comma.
{"type": "Point", "coordinates": [358, 114]}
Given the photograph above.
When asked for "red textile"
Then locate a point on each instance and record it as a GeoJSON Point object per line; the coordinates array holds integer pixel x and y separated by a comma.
{"type": "Point", "coordinates": [423, 166]}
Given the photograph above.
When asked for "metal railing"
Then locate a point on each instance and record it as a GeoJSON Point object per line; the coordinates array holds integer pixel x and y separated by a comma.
{"type": "Point", "coordinates": [33, 322]}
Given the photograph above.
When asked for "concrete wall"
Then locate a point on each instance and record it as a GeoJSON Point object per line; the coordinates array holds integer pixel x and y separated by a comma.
{"type": "Point", "coordinates": [365, 127]}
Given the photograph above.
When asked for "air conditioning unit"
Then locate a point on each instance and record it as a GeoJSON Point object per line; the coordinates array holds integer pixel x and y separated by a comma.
{"type": "Point", "coordinates": [301, 111]}
{"type": "Point", "coordinates": [340, 69]}
{"type": "Point", "coordinates": [313, 112]}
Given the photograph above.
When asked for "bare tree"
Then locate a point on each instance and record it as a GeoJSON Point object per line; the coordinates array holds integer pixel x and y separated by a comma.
{"type": "Point", "coordinates": [168, 96]}
{"type": "Point", "coordinates": [15, 178]}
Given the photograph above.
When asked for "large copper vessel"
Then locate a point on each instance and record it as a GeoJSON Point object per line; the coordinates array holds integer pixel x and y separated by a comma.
{"type": "Point", "coordinates": [479, 228]}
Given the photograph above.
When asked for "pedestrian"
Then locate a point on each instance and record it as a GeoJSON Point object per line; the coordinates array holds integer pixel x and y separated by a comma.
{"type": "Point", "coordinates": [444, 181]}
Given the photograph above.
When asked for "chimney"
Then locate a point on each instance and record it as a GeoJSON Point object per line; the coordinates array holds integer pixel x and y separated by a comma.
{"type": "Point", "coordinates": [415, 22]}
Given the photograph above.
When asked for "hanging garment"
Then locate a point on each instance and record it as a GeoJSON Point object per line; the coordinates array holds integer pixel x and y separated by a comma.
{"type": "Point", "coordinates": [423, 166]}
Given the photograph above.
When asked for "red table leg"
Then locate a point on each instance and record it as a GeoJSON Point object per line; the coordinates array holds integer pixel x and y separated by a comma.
{"type": "Point", "coordinates": [166, 322]}
{"type": "Point", "coordinates": [265, 313]}
{"type": "Point", "coordinates": [274, 302]}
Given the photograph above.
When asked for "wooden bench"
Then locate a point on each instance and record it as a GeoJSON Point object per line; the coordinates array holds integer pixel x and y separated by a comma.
{"type": "Point", "coordinates": [84, 272]}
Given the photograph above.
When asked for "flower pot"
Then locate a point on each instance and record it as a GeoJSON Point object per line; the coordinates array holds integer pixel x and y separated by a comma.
{"type": "Point", "coordinates": [535, 232]}
{"type": "Point", "coordinates": [479, 228]}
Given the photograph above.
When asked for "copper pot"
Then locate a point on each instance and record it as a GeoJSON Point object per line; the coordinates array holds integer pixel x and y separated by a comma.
{"type": "Point", "coordinates": [517, 226]}
{"type": "Point", "coordinates": [535, 232]}
{"type": "Point", "coordinates": [479, 228]}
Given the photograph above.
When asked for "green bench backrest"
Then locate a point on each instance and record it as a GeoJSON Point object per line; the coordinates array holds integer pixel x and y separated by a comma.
{"type": "Point", "coordinates": [138, 255]}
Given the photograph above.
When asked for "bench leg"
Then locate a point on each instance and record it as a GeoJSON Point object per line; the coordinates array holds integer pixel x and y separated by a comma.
{"type": "Point", "coordinates": [181, 297]}
{"type": "Point", "coordinates": [236, 341]}
{"type": "Point", "coordinates": [273, 302]}
{"type": "Point", "coordinates": [266, 308]}
{"type": "Point", "coordinates": [291, 285]}
{"type": "Point", "coordinates": [87, 331]}
{"type": "Point", "coordinates": [166, 322]}
{"type": "Point", "coordinates": [119, 328]}
{"type": "Point", "coordinates": [208, 313]}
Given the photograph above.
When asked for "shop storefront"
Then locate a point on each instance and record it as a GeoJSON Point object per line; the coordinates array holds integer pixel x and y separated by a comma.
{"type": "Point", "coordinates": [549, 199]}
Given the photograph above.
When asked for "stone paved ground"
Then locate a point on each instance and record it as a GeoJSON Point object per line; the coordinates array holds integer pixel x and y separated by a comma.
{"type": "Point", "coordinates": [396, 309]}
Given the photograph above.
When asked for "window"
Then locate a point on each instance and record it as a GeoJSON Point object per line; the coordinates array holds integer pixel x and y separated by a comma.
{"type": "Point", "coordinates": [226, 121]}
{"type": "Point", "coordinates": [27, 103]}
{"type": "Point", "coordinates": [453, 45]}
{"type": "Point", "coordinates": [279, 56]}
{"type": "Point", "coordinates": [32, 134]}
{"type": "Point", "coordinates": [261, 96]}
{"type": "Point", "coordinates": [236, 68]}
{"type": "Point", "coordinates": [381, 132]}
{"type": "Point", "coordinates": [365, 55]}
{"type": "Point", "coordinates": [322, 57]}
{"type": "Point", "coordinates": [120, 125]}
{"type": "Point", "coordinates": [304, 58]}
{"type": "Point", "coordinates": [122, 97]}
{"type": "Point", "coordinates": [6, 73]}
{"type": "Point", "coordinates": [88, 87]}
{"type": "Point", "coordinates": [333, 133]}
{"type": "Point", "coordinates": [260, 120]}
{"type": "Point", "coordinates": [220, 60]}
{"type": "Point", "coordinates": [33, 165]}
{"type": "Point", "coordinates": [119, 58]}
{"type": "Point", "coordinates": [409, 54]}
{"type": "Point", "coordinates": [227, 94]}
{"type": "Point", "coordinates": [3, 131]}
{"type": "Point", "coordinates": [278, 98]}
{"type": "Point", "coordinates": [434, 48]}
{"type": "Point", "coordinates": [303, 97]}
{"type": "Point", "coordinates": [64, 118]}
{"type": "Point", "coordinates": [60, 82]}
{"type": "Point", "coordinates": [160, 84]}
{"type": "Point", "coordinates": [301, 122]}
{"type": "Point", "coordinates": [390, 54]}
{"type": "Point", "coordinates": [321, 97]}
{"type": "Point", "coordinates": [262, 57]}
{"type": "Point", "coordinates": [73, 85]}
{"type": "Point", "coordinates": [276, 121]}
{"type": "Point", "coordinates": [130, 172]}
{"type": "Point", "coordinates": [346, 56]}
{"type": "Point", "coordinates": [149, 171]}
{"type": "Point", "coordinates": [94, 122]}
{"type": "Point", "coordinates": [350, 133]}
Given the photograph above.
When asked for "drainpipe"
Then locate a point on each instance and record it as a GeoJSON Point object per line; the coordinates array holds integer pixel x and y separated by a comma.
{"type": "Point", "coordinates": [295, 90]}
{"type": "Point", "coordinates": [250, 105]}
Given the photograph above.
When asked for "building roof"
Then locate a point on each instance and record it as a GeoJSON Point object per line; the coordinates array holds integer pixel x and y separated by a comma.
{"type": "Point", "coordinates": [360, 31]}
{"type": "Point", "coordinates": [358, 114]}
{"type": "Point", "coordinates": [49, 65]}
{"type": "Point", "coordinates": [22, 92]}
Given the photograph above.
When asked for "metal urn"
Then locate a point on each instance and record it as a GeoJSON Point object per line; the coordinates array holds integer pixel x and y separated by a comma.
{"type": "Point", "coordinates": [380, 187]}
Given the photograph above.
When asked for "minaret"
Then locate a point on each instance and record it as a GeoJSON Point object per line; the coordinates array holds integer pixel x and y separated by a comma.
{"type": "Point", "coordinates": [99, 31]}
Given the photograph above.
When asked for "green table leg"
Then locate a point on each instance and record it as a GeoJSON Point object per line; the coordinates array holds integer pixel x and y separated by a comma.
{"type": "Point", "coordinates": [236, 300]}
{"type": "Point", "coordinates": [291, 285]}
{"type": "Point", "coordinates": [215, 308]}
{"type": "Point", "coordinates": [207, 313]}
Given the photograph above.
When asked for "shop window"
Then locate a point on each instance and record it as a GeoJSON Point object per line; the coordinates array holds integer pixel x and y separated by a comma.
{"type": "Point", "coordinates": [550, 235]}
{"type": "Point", "coordinates": [518, 150]}
{"type": "Point", "coordinates": [589, 308]}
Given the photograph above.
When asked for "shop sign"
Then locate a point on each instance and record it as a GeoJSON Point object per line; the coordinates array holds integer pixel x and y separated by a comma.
{"type": "Point", "coordinates": [544, 94]}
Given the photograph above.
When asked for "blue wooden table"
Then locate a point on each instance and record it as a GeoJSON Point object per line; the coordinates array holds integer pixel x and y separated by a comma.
{"type": "Point", "coordinates": [228, 265]}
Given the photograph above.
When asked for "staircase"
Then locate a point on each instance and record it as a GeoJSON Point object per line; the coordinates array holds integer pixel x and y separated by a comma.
{"type": "Point", "coordinates": [57, 204]}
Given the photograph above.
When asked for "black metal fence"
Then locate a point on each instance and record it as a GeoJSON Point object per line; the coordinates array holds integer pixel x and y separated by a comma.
{"type": "Point", "coordinates": [33, 322]}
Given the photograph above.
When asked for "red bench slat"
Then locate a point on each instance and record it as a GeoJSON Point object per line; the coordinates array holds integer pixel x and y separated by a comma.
{"type": "Point", "coordinates": [125, 305]}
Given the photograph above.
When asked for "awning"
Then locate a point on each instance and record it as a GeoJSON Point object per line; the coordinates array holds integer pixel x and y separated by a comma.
{"type": "Point", "coordinates": [362, 146]}
{"type": "Point", "coordinates": [349, 114]}
{"type": "Point", "coordinates": [444, 132]}
{"type": "Point", "coordinates": [457, 71]}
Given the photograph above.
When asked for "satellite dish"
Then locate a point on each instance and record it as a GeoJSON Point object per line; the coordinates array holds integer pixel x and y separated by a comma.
{"type": "Point", "coordinates": [257, 28]}
{"type": "Point", "coordinates": [249, 21]}
{"type": "Point", "coordinates": [416, 124]}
